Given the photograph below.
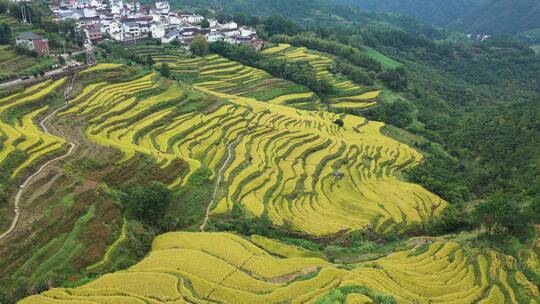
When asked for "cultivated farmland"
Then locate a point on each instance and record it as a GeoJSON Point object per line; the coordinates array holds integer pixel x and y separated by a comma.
{"type": "Point", "coordinates": [348, 93]}
{"type": "Point", "coordinates": [225, 268]}
{"type": "Point", "coordinates": [297, 167]}
{"type": "Point", "coordinates": [219, 74]}
{"type": "Point", "coordinates": [23, 143]}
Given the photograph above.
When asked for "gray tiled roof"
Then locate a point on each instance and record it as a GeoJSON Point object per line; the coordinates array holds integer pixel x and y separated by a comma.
{"type": "Point", "coordinates": [28, 36]}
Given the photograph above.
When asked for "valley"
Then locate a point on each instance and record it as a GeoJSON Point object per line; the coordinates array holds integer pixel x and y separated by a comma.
{"type": "Point", "coordinates": [266, 152]}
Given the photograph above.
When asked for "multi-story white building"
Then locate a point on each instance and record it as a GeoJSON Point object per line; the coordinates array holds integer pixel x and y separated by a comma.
{"type": "Point", "coordinates": [214, 36]}
{"type": "Point", "coordinates": [117, 36]}
{"type": "Point", "coordinates": [163, 6]}
{"type": "Point", "coordinates": [157, 30]}
{"type": "Point", "coordinates": [174, 19]}
{"type": "Point", "coordinates": [170, 36]}
{"type": "Point", "coordinates": [194, 18]}
{"type": "Point", "coordinates": [246, 31]}
{"type": "Point", "coordinates": [131, 29]}
{"type": "Point", "coordinates": [134, 6]}
{"type": "Point", "coordinates": [124, 20]}
{"type": "Point", "coordinates": [230, 25]}
{"type": "Point", "coordinates": [213, 23]}
{"type": "Point", "coordinates": [230, 32]}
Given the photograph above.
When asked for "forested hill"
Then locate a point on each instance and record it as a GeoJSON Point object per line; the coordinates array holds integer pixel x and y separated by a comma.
{"type": "Point", "coordinates": [311, 13]}
{"type": "Point", "coordinates": [471, 16]}
{"type": "Point", "coordinates": [501, 16]}
{"type": "Point", "coordinates": [439, 12]}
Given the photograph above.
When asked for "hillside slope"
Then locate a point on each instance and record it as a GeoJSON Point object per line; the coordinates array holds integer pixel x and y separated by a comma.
{"type": "Point", "coordinates": [501, 17]}
{"type": "Point", "coordinates": [439, 12]}
{"type": "Point", "coordinates": [469, 16]}
{"type": "Point", "coordinates": [287, 161]}
{"type": "Point", "coordinates": [189, 267]}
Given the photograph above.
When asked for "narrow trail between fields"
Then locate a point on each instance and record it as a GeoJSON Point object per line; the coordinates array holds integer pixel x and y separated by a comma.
{"type": "Point", "coordinates": [28, 181]}
{"type": "Point", "coordinates": [219, 177]}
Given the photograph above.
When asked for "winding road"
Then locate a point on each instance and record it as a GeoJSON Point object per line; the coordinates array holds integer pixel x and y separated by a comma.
{"type": "Point", "coordinates": [28, 181]}
{"type": "Point", "coordinates": [218, 180]}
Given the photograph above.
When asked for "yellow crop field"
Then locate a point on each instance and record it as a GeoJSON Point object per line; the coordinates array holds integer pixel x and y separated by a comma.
{"type": "Point", "coordinates": [226, 76]}
{"type": "Point", "coordinates": [24, 135]}
{"type": "Point", "coordinates": [305, 170]}
{"type": "Point", "coordinates": [102, 67]}
{"type": "Point", "coordinates": [346, 90]}
{"type": "Point", "coordinates": [225, 268]}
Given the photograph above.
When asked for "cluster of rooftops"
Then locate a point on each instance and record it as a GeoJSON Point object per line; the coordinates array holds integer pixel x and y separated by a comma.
{"type": "Point", "coordinates": [119, 20]}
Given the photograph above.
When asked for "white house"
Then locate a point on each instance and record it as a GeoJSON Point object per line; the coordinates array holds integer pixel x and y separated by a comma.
{"type": "Point", "coordinates": [214, 36]}
{"type": "Point", "coordinates": [213, 23]}
{"type": "Point", "coordinates": [195, 18]}
{"type": "Point", "coordinates": [144, 29]}
{"type": "Point", "coordinates": [117, 35]}
{"type": "Point", "coordinates": [133, 6]}
{"type": "Point", "coordinates": [170, 36]}
{"type": "Point", "coordinates": [157, 30]}
{"type": "Point", "coordinates": [70, 14]}
{"type": "Point", "coordinates": [163, 6]}
{"type": "Point", "coordinates": [174, 19]}
{"type": "Point", "coordinates": [246, 31]}
{"type": "Point", "coordinates": [116, 10]}
{"type": "Point", "coordinates": [131, 29]}
{"type": "Point", "coordinates": [89, 12]}
{"type": "Point", "coordinates": [230, 32]}
{"type": "Point", "coordinates": [231, 40]}
{"type": "Point", "coordinates": [230, 25]}
{"type": "Point", "coordinates": [114, 27]}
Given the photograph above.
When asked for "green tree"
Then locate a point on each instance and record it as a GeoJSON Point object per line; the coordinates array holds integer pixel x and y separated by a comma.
{"type": "Point", "coordinates": [356, 41]}
{"type": "Point", "coordinates": [149, 60]}
{"type": "Point", "coordinates": [502, 213]}
{"type": "Point", "coordinates": [149, 203]}
{"type": "Point", "coordinates": [199, 46]}
{"type": "Point", "coordinates": [4, 5]}
{"type": "Point", "coordinates": [164, 70]}
{"type": "Point", "coordinates": [205, 24]}
{"type": "Point", "coordinates": [5, 33]}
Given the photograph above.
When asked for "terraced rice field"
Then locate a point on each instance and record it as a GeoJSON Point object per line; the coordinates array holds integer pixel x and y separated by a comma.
{"type": "Point", "coordinates": [102, 67]}
{"type": "Point", "coordinates": [11, 62]}
{"type": "Point", "coordinates": [219, 74]}
{"type": "Point", "coordinates": [186, 267]}
{"type": "Point", "coordinates": [24, 135]}
{"type": "Point", "coordinates": [297, 167]}
{"type": "Point", "coordinates": [349, 94]}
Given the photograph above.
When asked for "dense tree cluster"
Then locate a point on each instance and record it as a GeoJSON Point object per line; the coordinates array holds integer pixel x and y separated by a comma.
{"type": "Point", "coordinates": [148, 203]}
{"type": "Point", "coordinates": [199, 46]}
{"type": "Point", "coordinates": [5, 34]}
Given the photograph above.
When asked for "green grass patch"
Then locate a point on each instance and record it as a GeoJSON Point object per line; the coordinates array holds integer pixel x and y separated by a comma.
{"type": "Point", "coordinates": [385, 61]}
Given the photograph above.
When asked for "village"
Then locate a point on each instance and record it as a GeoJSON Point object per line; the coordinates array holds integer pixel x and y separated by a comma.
{"type": "Point", "coordinates": [128, 21]}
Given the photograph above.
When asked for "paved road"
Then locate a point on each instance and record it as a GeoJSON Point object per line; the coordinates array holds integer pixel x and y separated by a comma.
{"type": "Point", "coordinates": [32, 79]}
{"type": "Point", "coordinates": [28, 181]}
